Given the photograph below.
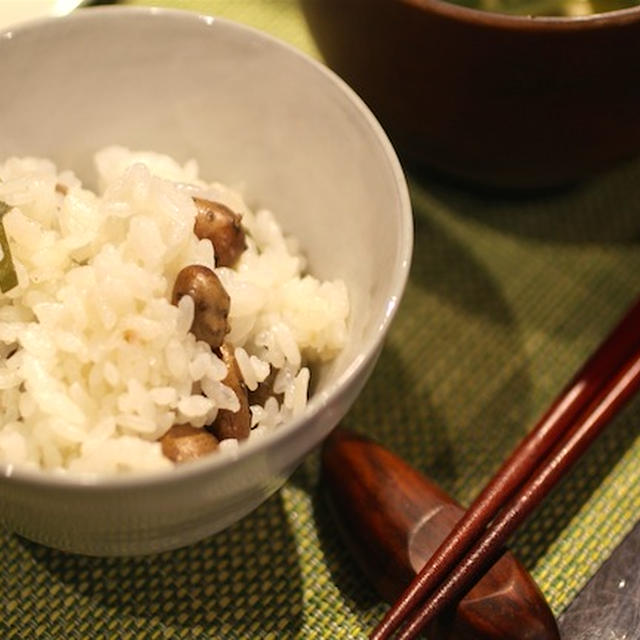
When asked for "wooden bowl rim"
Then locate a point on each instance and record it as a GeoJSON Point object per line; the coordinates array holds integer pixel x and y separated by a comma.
{"type": "Point", "coordinates": [509, 22]}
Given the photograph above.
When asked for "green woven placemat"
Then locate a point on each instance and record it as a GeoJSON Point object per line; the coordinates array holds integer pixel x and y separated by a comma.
{"type": "Point", "coordinates": [506, 298]}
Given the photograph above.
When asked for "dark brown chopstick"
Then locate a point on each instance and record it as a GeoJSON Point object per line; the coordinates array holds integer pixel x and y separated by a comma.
{"type": "Point", "coordinates": [596, 374]}
{"type": "Point", "coordinates": [590, 424]}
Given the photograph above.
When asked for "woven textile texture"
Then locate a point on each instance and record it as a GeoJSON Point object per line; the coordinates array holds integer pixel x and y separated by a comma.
{"type": "Point", "coordinates": [506, 298]}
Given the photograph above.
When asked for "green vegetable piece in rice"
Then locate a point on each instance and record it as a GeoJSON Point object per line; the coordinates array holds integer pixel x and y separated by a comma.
{"type": "Point", "coordinates": [8, 276]}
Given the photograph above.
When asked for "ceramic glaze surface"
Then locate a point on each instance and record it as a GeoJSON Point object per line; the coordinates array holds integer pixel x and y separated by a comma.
{"type": "Point", "coordinates": [257, 115]}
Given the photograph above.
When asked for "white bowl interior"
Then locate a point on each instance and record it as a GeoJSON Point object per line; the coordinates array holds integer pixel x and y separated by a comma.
{"type": "Point", "coordinates": [248, 110]}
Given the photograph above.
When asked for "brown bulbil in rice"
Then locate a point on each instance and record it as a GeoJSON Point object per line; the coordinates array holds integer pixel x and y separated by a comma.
{"type": "Point", "coordinates": [211, 303]}
{"type": "Point", "coordinates": [264, 390]}
{"type": "Point", "coordinates": [216, 222]}
{"type": "Point", "coordinates": [233, 424]}
{"type": "Point", "coordinates": [185, 442]}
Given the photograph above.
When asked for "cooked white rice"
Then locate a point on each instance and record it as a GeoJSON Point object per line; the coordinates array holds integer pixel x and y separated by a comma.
{"type": "Point", "coordinates": [95, 362]}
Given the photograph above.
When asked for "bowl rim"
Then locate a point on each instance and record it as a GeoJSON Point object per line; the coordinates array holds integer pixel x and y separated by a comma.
{"type": "Point", "coordinates": [253, 448]}
{"type": "Point", "coordinates": [511, 22]}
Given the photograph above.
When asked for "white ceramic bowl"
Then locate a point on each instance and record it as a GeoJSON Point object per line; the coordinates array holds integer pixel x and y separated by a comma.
{"type": "Point", "coordinates": [253, 111]}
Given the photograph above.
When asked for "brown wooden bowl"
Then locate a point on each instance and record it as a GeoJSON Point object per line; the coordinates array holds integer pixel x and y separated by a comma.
{"type": "Point", "coordinates": [507, 101]}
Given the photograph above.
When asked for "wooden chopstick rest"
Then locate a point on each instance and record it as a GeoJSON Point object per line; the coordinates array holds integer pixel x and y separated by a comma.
{"type": "Point", "coordinates": [393, 519]}
{"type": "Point", "coordinates": [583, 408]}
